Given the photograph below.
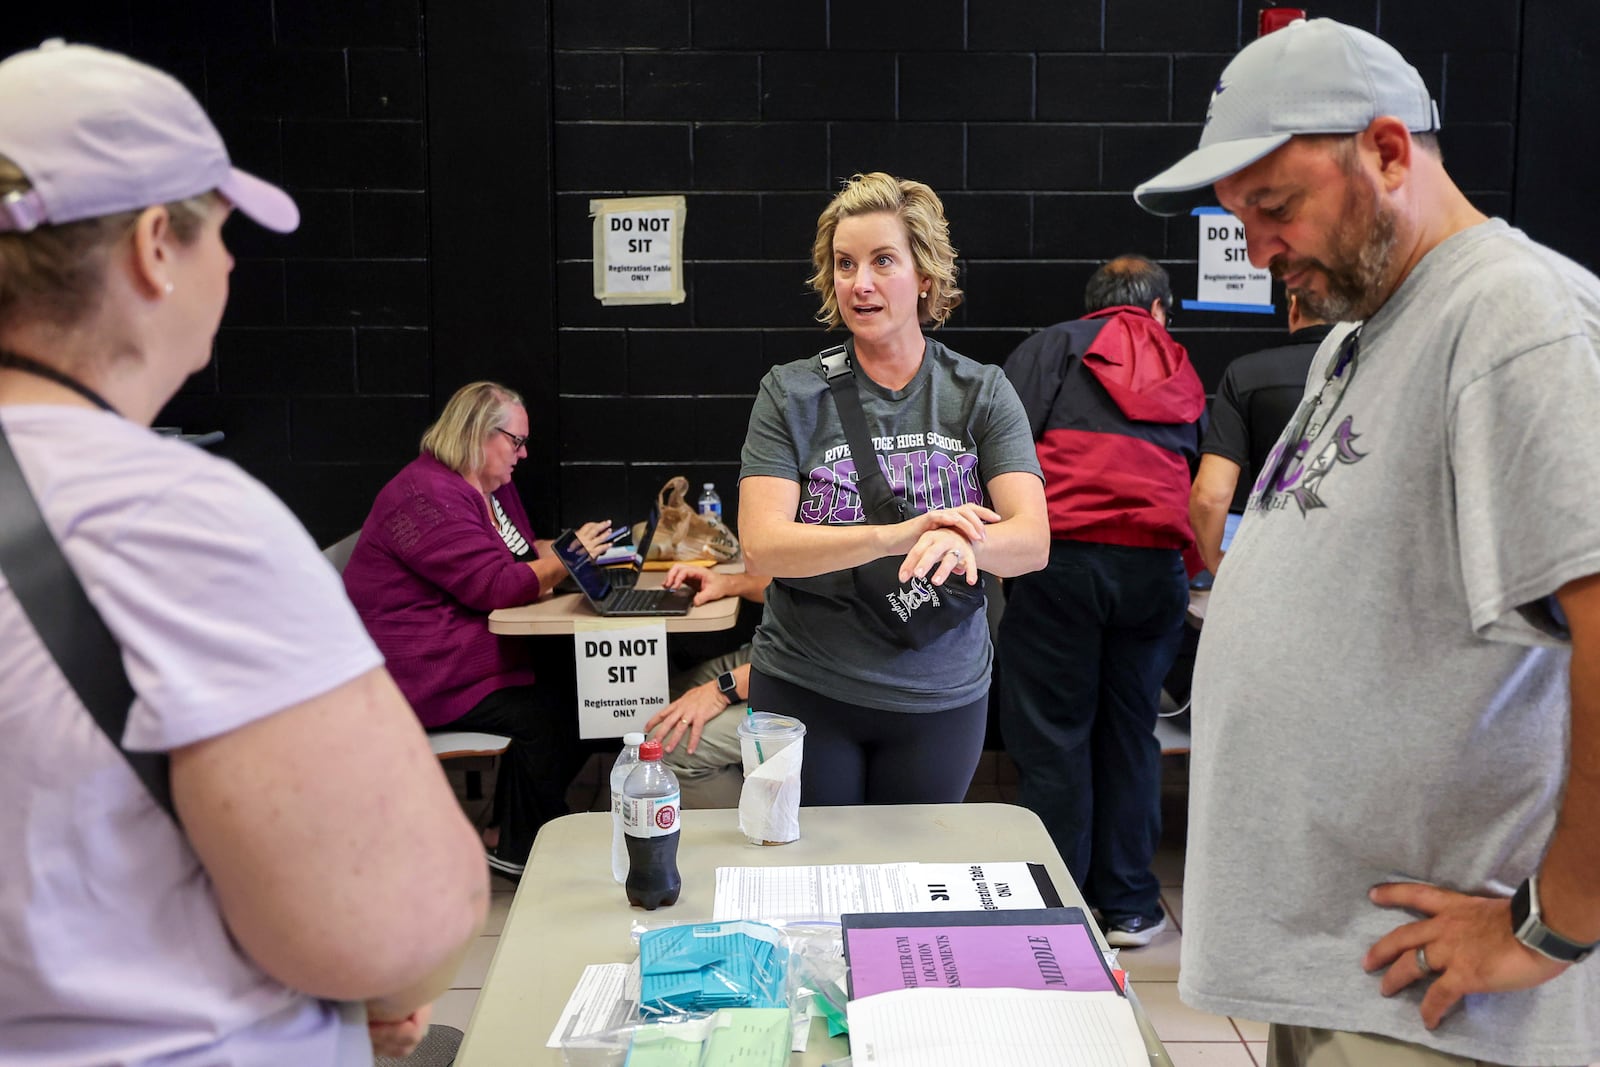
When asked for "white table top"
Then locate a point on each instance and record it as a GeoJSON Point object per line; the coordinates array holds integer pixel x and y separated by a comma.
{"type": "Point", "coordinates": [568, 913]}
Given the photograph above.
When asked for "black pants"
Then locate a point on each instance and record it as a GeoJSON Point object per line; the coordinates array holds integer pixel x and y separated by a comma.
{"type": "Point", "coordinates": [545, 755]}
{"type": "Point", "coordinates": [1083, 648]}
{"type": "Point", "coordinates": [857, 755]}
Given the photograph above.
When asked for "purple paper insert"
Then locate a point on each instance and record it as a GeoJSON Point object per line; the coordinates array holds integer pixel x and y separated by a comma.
{"type": "Point", "coordinates": [975, 957]}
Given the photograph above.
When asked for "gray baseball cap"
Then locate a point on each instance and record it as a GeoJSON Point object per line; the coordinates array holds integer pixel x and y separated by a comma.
{"type": "Point", "coordinates": [1319, 76]}
{"type": "Point", "coordinates": [97, 133]}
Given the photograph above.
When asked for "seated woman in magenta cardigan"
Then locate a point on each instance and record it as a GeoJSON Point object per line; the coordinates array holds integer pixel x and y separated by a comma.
{"type": "Point", "coordinates": [448, 542]}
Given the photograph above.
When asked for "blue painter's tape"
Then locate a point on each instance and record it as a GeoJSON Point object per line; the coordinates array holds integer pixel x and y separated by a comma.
{"type": "Point", "coordinates": [1206, 305]}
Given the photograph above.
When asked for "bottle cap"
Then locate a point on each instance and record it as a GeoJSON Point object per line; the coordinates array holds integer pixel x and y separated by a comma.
{"type": "Point", "coordinates": [633, 738]}
{"type": "Point", "coordinates": [709, 485]}
{"type": "Point", "coordinates": [650, 750]}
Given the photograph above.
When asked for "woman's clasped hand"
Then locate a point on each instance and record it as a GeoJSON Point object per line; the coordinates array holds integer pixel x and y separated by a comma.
{"type": "Point", "coordinates": [949, 544]}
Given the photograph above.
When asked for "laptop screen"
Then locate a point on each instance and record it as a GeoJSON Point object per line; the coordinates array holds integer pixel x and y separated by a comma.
{"type": "Point", "coordinates": [582, 567]}
{"type": "Point", "coordinates": [649, 534]}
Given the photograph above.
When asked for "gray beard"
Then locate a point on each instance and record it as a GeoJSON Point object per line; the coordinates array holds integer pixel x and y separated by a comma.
{"type": "Point", "coordinates": [1361, 287]}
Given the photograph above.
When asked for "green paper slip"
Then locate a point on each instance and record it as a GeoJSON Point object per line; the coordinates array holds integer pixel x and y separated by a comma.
{"type": "Point", "coordinates": [748, 1037]}
{"type": "Point", "coordinates": [733, 1037]}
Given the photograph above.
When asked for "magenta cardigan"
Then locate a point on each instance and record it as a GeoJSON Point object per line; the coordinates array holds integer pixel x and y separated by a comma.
{"type": "Point", "coordinates": [427, 570]}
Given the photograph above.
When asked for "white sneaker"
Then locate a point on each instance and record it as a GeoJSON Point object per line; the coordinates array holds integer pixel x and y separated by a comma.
{"type": "Point", "coordinates": [1136, 932]}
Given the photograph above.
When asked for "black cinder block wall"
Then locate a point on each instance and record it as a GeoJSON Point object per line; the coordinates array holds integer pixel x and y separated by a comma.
{"type": "Point", "coordinates": [1033, 120]}
{"type": "Point", "coordinates": [444, 155]}
{"type": "Point", "coordinates": [322, 371]}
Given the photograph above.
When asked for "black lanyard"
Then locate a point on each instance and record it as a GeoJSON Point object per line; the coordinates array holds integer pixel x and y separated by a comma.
{"type": "Point", "coordinates": [52, 598]}
{"type": "Point", "coordinates": [29, 365]}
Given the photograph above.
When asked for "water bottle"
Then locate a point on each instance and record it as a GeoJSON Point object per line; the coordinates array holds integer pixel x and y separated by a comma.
{"type": "Point", "coordinates": [709, 503]}
{"type": "Point", "coordinates": [650, 823]}
{"type": "Point", "coordinates": [627, 760]}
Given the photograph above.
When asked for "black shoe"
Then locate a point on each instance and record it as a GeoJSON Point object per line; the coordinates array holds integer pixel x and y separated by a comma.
{"type": "Point", "coordinates": [1135, 932]}
{"type": "Point", "coordinates": [503, 867]}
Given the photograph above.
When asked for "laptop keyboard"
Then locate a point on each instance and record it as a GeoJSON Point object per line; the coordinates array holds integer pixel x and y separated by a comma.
{"type": "Point", "coordinates": [646, 601]}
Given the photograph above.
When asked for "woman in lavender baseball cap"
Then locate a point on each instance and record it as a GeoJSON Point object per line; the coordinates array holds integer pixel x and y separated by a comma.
{"type": "Point", "coordinates": [310, 884]}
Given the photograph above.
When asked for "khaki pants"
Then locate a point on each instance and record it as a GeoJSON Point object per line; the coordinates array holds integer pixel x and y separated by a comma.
{"type": "Point", "coordinates": [714, 775]}
{"type": "Point", "coordinates": [1309, 1046]}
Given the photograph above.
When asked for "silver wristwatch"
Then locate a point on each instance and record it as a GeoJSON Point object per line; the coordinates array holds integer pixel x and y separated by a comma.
{"type": "Point", "coordinates": [728, 686]}
{"type": "Point", "coordinates": [1527, 926]}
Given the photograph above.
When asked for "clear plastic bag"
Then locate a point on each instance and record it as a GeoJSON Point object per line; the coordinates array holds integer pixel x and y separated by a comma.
{"type": "Point", "coordinates": [803, 962]}
{"type": "Point", "coordinates": [703, 967]}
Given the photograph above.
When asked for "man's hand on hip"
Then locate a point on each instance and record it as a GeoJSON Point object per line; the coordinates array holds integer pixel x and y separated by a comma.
{"type": "Point", "coordinates": [1466, 945]}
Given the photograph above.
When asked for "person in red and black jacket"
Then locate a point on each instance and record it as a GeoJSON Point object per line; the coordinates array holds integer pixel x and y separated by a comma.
{"type": "Point", "coordinates": [1117, 414]}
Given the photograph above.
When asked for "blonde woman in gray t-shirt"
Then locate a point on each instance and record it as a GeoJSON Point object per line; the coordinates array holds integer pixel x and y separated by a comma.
{"type": "Point", "coordinates": [885, 724]}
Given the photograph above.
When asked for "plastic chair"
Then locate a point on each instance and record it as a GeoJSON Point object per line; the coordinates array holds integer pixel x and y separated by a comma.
{"type": "Point", "coordinates": [463, 745]}
{"type": "Point", "coordinates": [338, 553]}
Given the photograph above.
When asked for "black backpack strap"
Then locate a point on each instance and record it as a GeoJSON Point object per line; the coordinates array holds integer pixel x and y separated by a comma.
{"type": "Point", "coordinates": [71, 629]}
{"type": "Point", "coordinates": [879, 501]}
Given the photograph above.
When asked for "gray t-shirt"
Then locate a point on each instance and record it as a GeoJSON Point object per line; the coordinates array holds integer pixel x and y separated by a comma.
{"type": "Point", "coordinates": [1370, 704]}
{"type": "Point", "coordinates": [954, 427]}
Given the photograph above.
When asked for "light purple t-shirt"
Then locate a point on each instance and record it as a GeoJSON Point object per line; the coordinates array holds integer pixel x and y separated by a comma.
{"type": "Point", "coordinates": [112, 948]}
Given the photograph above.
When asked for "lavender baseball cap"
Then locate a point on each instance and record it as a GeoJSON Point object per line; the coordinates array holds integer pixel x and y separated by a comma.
{"type": "Point", "coordinates": [1319, 76]}
{"type": "Point", "coordinates": [98, 133]}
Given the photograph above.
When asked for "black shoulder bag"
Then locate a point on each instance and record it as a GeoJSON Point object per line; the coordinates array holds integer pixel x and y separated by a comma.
{"type": "Point", "coordinates": [913, 613]}
{"type": "Point", "coordinates": [71, 629]}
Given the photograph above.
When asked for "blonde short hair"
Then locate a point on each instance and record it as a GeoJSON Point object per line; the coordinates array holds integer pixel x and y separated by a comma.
{"type": "Point", "coordinates": [920, 211]}
{"type": "Point", "coordinates": [469, 417]}
{"type": "Point", "coordinates": [55, 274]}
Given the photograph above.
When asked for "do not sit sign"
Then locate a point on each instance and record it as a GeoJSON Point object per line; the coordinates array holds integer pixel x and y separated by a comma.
{"type": "Point", "coordinates": [622, 675]}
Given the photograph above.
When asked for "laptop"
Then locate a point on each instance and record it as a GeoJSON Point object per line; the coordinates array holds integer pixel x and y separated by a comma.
{"type": "Point", "coordinates": [626, 575]}
{"type": "Point", "coordinates": [608, 600]}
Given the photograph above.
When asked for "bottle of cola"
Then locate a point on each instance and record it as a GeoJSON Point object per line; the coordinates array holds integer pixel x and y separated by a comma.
{"type": "Point", "coordinates": [650, 824]}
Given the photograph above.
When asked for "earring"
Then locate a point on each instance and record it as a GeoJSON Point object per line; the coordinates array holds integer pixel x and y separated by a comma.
{"type": "Point", "coordinates": [924, 295]}
{"type": "Point", "coordinates": [167, 288]}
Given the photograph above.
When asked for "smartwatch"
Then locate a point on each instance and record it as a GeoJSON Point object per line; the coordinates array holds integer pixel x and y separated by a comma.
{"type": "Point", "coordinates": [1527, 926]}
{"type": "Point", "coordinates": [728, 686]}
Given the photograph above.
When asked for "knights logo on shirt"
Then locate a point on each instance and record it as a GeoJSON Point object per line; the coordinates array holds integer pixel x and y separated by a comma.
{"type": "Point", "coordinates": [1302, 481]}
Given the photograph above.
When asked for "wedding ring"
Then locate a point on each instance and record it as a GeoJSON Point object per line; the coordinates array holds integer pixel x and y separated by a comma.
{"type": "Point", "coordinates": [1422, 963]}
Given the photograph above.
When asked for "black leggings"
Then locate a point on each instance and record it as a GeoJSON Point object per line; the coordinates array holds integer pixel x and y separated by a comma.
{"type": "Point", "coordinates": [859, 755]}
{"type": "Point", "coordinates": [545, 755]}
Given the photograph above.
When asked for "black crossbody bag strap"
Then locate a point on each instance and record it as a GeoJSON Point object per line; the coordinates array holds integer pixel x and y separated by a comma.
{"type": "Point", "coordinates": [71, 629]}
{"type": "Point", "coordinates": [880, 503]}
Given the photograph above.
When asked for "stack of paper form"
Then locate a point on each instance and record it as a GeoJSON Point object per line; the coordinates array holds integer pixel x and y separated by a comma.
{"type": "Point", "coordinates": [994, 1028]}
{"type": "Point", "coordinates": [823, 893]}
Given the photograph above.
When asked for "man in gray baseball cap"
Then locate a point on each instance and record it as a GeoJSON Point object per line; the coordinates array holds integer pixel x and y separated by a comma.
{"type": "Point", "coordinates": [1395, 789]}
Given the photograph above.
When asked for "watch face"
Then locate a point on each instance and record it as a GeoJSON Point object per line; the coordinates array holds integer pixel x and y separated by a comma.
{"type": "Point", "coordinates": [1520, 905]}
{"type": "Point", "coordinates": [1527, 926]}
{"type": "Point", "coordinates": [727, 684]}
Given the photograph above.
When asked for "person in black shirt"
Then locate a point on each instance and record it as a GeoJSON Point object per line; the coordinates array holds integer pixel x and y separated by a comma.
{"type": "Point", "coordinates": [1255, 401]}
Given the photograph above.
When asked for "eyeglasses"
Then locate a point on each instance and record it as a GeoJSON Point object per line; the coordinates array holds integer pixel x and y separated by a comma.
{"type": "Point", "coordinates": [1310, 420]}
{"type": "Point", "coordinates": [516, 441]}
